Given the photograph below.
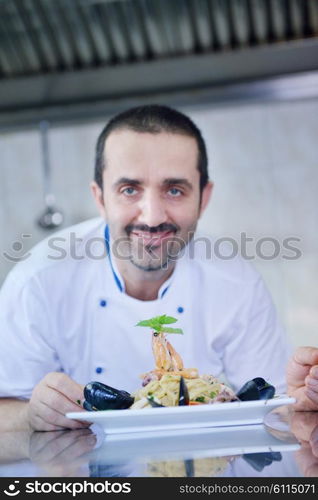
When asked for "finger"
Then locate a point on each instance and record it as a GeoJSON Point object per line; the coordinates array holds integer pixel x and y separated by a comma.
{"type": "Point", "coordinates": [314, 373]}
{"type": "Point", "coordinates": [313, 470]}
{"type": "Point", "coordinates": [298, 367]}
{"type": "Point", "coordinates": [44, 450]}
{"type": "Point", "coordinates": [313, 396]}
{"type": "Point", "coordinates": [306, 355]}
{"type": "Point", "coordinates": [66, 386]}
{"type": "Point", "coordinates": [53, 417]}
{"type": "Point", "coordinates": [314, 441]}
{"type": "Point", "coordinates": [57, 401]}
{"type": "Point", "coordinates": [296, 374]}
{"type": "Point", "coordinates": [302, 424]}
{"type": "Point", "coordinates": [76, 449]}
{"type": "Point", "coordinates": [40, 441]}
{"type": "Point", "coordinates": [60, 441]}
{"type": "Point", "coordinates": [311, 383]}
{"type": "Point", "coordinates": [306, 420]}
{"type": "Point", "coordinates": [39, 424]}
{"type": "Point", "coordinates": [306, 461]}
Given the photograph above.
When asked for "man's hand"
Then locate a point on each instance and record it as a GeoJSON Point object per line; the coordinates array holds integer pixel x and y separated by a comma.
{"type": "Point", "coordinates": [63, 453]}
{"type": "Point", "coordinates": [304, 426]}
{"type": "Point", "coordinates": [54, 396]}
{"type": "Point", "coordinates": [302, 378]}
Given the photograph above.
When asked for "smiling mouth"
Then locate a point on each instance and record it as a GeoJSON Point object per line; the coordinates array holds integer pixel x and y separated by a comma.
{"type": "Point", "coordinates": [153, 239]}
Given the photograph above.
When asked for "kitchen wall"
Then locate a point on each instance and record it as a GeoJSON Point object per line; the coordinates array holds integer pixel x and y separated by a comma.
{"type": "Point", "coordinates": [264, 162]}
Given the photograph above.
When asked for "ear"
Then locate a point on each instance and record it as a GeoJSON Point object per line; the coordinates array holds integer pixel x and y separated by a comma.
{"type": "Point", "coordinates": [205, 197]}
{"type": "Point", "coordinates": [98, 197]}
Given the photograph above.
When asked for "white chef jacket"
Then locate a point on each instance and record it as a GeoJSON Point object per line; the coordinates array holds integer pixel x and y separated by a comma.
{"type": "Point", "coordinates": [66, 311]}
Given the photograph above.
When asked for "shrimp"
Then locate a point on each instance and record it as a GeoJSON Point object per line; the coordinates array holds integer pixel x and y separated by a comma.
{"type": "Point", "coordinates": [166, 360]}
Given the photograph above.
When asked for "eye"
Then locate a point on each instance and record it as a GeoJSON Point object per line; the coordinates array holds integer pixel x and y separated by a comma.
{"type": "Point", "coordinates": [175, 192]}
{"type": "Point", "coordinates": [129, 191]}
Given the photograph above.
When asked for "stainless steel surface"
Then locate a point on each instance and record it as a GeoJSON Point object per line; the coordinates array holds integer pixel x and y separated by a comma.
{"type": "Point", "coordinates": [57, 57]}
{"type": "Point", "coordinates": [39, 36]}
{"type": "Point", "coordinates": [271, 451]}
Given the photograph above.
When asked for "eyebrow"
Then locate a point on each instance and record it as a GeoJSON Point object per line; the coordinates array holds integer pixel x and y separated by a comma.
{"type": "Point", "coordinates": [127, 180]}
{"type": "Point", "coordinates": [180, 181]}
{"type": "Point", "coordinates": [167, 182]}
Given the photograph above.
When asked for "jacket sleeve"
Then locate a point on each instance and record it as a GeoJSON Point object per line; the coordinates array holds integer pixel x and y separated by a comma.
{"type": "Point", "coordinates": [26, 337]}
{"type": "Point", "coordinates": [258, 345]}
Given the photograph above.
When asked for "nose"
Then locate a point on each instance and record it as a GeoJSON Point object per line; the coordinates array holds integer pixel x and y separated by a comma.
{"type": "Point", "coordinates": [152, 210]}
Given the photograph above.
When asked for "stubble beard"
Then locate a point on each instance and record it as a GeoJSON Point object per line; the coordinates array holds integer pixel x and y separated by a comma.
{"type": "Point", "coordinates": [152, 262]}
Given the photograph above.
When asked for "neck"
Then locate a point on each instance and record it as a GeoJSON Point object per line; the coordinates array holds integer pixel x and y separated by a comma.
{"type": "Point", "coordinates": [143, 285]}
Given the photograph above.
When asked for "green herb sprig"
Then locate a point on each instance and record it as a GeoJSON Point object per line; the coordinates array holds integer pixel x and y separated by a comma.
{"type": "Point", "coordinates": [157, 324]}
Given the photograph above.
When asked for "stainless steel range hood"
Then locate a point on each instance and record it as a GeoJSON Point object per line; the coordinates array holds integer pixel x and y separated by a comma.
{"type": "Point", "coordinates": [73, 59]}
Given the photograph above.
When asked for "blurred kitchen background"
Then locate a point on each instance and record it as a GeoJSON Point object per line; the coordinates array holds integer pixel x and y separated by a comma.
{"type": "Point", "coordinates": [244, 70]}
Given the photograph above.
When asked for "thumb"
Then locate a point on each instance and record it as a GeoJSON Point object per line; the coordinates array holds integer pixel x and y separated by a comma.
{"type": "Point", "coordinates": [306, 355]}
{"type": "Point", "coordinates": [300, 364]}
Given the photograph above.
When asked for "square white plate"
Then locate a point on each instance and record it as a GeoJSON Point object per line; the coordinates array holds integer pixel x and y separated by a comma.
{"type": "Point", "coordinates": [183, 417]}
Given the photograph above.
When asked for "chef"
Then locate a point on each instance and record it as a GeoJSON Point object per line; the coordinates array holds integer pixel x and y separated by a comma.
{"type": "Point", "coordinates": [68, 312]}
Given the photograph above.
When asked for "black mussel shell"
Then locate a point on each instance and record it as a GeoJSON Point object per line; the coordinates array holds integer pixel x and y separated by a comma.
{"type": "Point", "coordinates": [184, 398]}
{"type": "Point", "coordinates": [267, 392]}
{"type": "Point", "coordinates": [249, 391]}
{"type": "Point", "coordinates": [260, 460]}
{"type": "Point", "coordinates": [254, 389]}
{"type": "Point", "coordinates": [260, 382]}
{"type": "Point", "coordinates": [104, 397]}
{"type": "Point", "coordinates": [88, 407]}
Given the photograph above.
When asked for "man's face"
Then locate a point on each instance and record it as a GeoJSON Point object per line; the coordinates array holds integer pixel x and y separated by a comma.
{"type": "Point", "coordinates": [151, 195]}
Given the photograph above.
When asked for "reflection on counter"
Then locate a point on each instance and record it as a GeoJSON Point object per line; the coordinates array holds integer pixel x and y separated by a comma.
{"type": "Point", "coordinates": [286, 447]}
{"type": "Point", "coordinates": [199, 467]}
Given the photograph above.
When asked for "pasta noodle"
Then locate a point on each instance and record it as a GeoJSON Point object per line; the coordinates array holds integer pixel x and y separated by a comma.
{"type": "Point", "coordinates": [202, 467]}
{"type": "Point", "coordinates": [204, 389]}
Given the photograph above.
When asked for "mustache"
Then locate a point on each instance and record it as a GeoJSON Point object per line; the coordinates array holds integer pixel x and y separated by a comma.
{"type": "Point", "coordinates": [164, 227]}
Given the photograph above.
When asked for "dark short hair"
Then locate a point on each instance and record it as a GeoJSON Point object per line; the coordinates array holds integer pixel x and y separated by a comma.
{"type": "Point", "coordinates": [152, 119]}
